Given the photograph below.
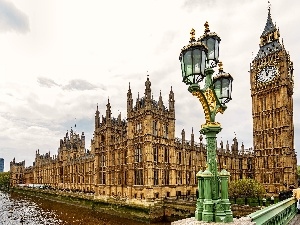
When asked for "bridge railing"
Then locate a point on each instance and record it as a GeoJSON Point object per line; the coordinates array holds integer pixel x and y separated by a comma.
{"type": "Point", "coordinates": [280, 213]}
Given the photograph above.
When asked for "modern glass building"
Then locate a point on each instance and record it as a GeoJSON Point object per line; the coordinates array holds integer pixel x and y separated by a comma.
{"type": "Point", "coordinates": [1, 164]}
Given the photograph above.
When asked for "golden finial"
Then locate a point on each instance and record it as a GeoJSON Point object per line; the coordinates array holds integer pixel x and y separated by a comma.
{"type": "Point", "coordinates": [206, 25]}
{"type": "Point", "coordinates": [206, 166]}
{"type": "Point", "coordinates": [220, 66]}
{"type": "Point", "coordinates": [224, 166]}
{"type": "Point", "coordinates": [192, 33]}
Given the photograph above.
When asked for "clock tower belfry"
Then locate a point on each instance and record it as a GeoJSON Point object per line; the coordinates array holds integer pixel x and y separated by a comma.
{"type": "Point", "coordinates": [271, 79]}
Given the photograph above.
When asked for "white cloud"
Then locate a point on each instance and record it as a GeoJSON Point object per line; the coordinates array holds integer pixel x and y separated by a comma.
{"type": "Point", "coordinates": [12, 19]}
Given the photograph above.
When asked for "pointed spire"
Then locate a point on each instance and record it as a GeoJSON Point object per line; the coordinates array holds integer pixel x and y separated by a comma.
{"type": "Point", "coordinates": [171, 101]}
{"type": "Point", "coordinates": [269, 39]}
{"type": "Point", "coordinates": [192, 137]}
{"type": "Point", "coordinates": [160, 101]}
{"type": "Point", "coordinates": [129, 95]}
{"type": "Point", "coordinates": [148, 89]}
{"type": "Point", "coordinates": [227, 146]}
{"type": "Point", "coordinates": [97, 118]}
{"type": "Point", "coordinates": [269, 27]}
{"type": "Point", "coordinates": [137, 104]}
{"type": "Point", "coordinates": [129, 101]}
{"type": "Point", "coordinates": [108, 109]}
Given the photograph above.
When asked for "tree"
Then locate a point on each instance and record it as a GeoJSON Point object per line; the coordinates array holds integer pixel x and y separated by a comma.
{"type": "Point", "coordinates": [246, 188]}
{"type": "Point", "coordinates": [4, 180]}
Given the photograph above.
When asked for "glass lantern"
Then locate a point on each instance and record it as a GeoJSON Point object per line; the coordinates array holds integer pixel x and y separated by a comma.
{"type": "Point", "coordinates": [193, 59]}
{"type": "Point", "coordinates": [212, 41]}
{"type": "Point", "coordinates": [222, 84]}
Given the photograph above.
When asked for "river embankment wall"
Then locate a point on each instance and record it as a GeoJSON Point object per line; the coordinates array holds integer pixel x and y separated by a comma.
{"type": "Point", "coordinates": [146, 211]}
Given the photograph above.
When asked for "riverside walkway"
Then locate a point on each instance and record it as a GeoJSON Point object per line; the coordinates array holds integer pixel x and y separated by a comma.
{"type": "Point", "coordinates": [295, 220]}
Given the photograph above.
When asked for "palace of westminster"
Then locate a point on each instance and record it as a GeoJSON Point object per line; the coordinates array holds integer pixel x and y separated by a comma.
{"type": "Point", "coordinates": [140, 157]}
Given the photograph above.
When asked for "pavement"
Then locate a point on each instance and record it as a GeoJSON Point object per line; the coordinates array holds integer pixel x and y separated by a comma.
{"type": "Point", "coordinates": [295, 220]}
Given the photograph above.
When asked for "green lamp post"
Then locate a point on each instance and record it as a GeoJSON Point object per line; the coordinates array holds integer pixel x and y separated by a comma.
{"type": "Point", "coordinates": [198, 59]}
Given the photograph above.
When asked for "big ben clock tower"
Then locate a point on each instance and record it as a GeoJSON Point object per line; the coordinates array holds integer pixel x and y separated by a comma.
{"type": "Point", "coordinates": [271, 78]}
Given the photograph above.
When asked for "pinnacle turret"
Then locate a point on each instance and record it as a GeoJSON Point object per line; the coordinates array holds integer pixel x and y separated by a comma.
{"type": "Point", "coordinates": [129, 101]}
{"type": "Point", "coordinates": [171, 101]}
{"type": "Point", "coordinates": [269, 39]}
{"type": "Point", "coordinates": [269, 27]}
{"type": "Point", "coordinates": [108, 110]}
{"type": "Point", "coordinates": [97, 118]}
{"type": "Point", "coordinates": [148, 89]}
{"type": "Point", "coordinates": [160, 101]}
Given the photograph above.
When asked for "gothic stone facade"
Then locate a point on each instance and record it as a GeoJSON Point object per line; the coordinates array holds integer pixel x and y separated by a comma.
{"type": "Point", "coordinates": [140, 157]}
{"type": "Point", "coordinates": [271, 78]}
{"type": "Point", "coordinates": [17, 172]}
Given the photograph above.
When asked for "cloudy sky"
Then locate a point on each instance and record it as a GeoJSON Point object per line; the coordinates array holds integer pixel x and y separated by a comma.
{"type": "Point", "coordinates": [58, 59]}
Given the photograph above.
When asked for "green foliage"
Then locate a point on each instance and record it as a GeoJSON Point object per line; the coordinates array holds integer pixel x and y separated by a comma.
{"type": "Point", "coordinates": [4, 180]}
{"type": "Point", "coordinates": [246, 188]}
{"type": "Point", "coordinates": [298, 171]}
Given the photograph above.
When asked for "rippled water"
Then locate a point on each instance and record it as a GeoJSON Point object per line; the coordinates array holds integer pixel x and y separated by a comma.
{"type": "Point", "coordinates": [23, 211]}
{"type": "Point", "coordinates": [17, 209]}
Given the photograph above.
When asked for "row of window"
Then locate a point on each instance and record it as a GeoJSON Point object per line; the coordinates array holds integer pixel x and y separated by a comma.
{"type": "Point", "coordinates": [138, 156]}
{"type": "Point", "coordinates": [139, 177]}
{"type": "Point", "coordinates": [165, 130]}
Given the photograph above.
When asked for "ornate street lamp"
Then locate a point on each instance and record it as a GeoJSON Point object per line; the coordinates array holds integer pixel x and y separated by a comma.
{"type": "Point", "coordinates": [193, 59]}
{"type": "Point", "coordinates": [198, 59]}
{"type": "Point", "coordinates": [222, 84]}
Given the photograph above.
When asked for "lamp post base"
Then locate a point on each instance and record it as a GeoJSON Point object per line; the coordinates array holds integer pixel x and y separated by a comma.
{"type": "Point", "coordinates": [199, 209]}
{"type": "Point", "coordinates": [214, 207]}
{"type": "Point", "coordinates": [215, 211]}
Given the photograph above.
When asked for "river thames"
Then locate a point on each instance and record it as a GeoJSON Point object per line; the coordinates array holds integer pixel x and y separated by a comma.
{"type": "Point", "coordinates": [17, 209]}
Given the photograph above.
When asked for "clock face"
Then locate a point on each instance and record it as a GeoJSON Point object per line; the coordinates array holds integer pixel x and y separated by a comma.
{"type": "Point", "coordinates": [267, 74]}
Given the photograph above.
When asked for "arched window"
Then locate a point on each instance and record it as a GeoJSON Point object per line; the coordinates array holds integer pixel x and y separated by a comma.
{"type": "Point", "coordinates": [166, 179]}
{"type": "Point", "coordinates": [154, 127]}
{"type": "Point", "coordinates": [155, 177]}
{"type": "Point", "coordinates": [166, 155]}
{"type": "Point", "coordinates": [166, 131]}
{"type": "Point", "coordinates": [155, 153]}
{"type": "Point", "coordinates": [138, 154]}
{"type": "Point", "coordinates": [138, 175]}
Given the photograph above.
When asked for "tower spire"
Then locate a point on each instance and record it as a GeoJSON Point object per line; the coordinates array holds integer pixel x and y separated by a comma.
{"type": "Point", "coordinates": [269, 27]}
{"type": "Point", "coordinates": [148, 89]}
{"type": "Point", "coordinates": [160, 101]}
{"type": "Point", "coordinates": [171, 101]}
{"type": "Point", "coordinates": [129, 101]}
{"type": "Point", "coordinates": [108, 110]}
{"type": "Point", "coordinates": [97, 118]}
{"type": "Point", "coordinates": [269, 39]}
